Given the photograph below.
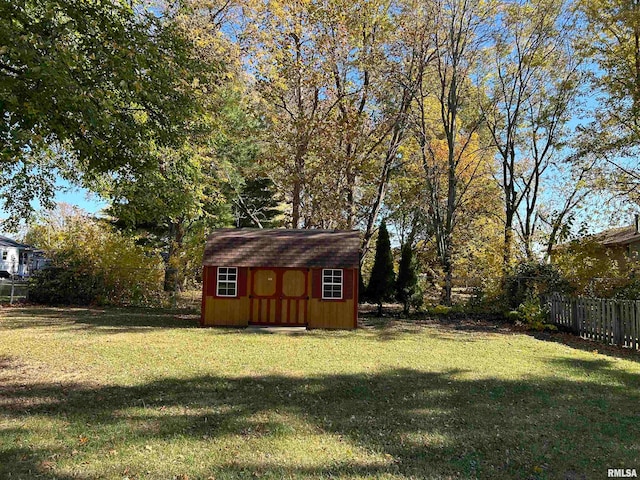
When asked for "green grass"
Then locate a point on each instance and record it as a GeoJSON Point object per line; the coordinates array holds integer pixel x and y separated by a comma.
{"type": "Point", "coordinates": [87, 393]}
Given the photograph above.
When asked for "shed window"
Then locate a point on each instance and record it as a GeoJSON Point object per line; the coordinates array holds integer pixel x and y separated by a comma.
{"type": "Point", "coordinates": [227, 281]}
{"type": "Point", "coordinates": [332, 284]}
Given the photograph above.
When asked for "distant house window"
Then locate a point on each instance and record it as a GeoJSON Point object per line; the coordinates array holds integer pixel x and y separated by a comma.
{"type": "Point", "coordinates": [4, 255]}
{"type": "Point", "coordinates": [332, 284]}
{"type": "Point", "coordinates": [227, 281]}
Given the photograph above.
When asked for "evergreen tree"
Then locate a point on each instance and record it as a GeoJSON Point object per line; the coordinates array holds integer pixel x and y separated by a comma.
{"type": "Point", "coordinates": [362, 289]}
{"type": "Point", "coordinates": [256, 204]}
{"type": "Point", "coordinates": [407, 282]}
{"type": "Point", "coordinates": [382, 281]}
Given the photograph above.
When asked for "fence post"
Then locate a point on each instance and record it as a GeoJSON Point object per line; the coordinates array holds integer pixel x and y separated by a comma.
{"type": "Point", "coordinates": [574, 316]}
{"type": "Point", "coordinates": [13, 283]}
{"type": "Point", "coordinates": [635, 331]}
{"type": "Point", "coordinates": [635, 328]}
{"type": "Point", "coordinates": [617, 324]}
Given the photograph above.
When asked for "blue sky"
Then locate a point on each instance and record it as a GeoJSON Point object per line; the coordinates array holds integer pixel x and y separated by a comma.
{"type": "Point", "coordinates": [66, 193]}
{"type": "Point", "coordinates": [80, 197]}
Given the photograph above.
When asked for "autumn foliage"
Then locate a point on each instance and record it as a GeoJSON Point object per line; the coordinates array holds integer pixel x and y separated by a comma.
{"type": "Point", "coordinates": [91, 263]}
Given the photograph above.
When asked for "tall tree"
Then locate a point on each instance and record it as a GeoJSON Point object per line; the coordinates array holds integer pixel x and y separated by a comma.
{"type": "Point", "coordinates": [333, 82]}
{"type": "Point", "coordinates": [187, 193]}
{"type": "Point", "coordinates": [531, 82]}
{"type": "Point", "coordinates": [370, 70]}
{"type": "Point", "coordinates": [84, 88]}
{"type": "Point", "coordinates": [282, 43]}
{"type": "Point", "coordinates": [382, 281]}
{"type": "Point", "coordinates": [612, 41]}
{"type": "Point", "coordinates": [445, 118]}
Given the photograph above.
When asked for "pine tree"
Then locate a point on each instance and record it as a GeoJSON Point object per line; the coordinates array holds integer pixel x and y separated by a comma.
{"type": "Point", "coordinates": [256, 205]}
{"type": "Point", "coordinates": [362, 289]}
{"type": "Point", "coordinates": [407, 282]}
{"type": "Point", "coordinates": [382, 281]}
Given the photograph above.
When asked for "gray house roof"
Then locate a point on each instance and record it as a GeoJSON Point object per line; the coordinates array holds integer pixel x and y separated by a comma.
{"type": "Point", "coordinates": [9, 242]}
{"type": "Point", "coordinates": [618, 236]}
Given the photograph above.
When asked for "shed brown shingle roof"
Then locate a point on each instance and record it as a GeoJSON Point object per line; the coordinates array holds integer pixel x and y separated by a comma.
{"type": "Point", "coordinates": [249, 247]}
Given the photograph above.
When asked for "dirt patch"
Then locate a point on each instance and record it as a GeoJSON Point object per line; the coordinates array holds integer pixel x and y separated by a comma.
{"type": "Point", "coordinates": [393, 320]}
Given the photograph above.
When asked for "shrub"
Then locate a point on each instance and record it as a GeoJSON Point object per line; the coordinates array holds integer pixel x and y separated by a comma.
{"type": "Point", "coordinates": [91, 263]}
{"type": "Point", "coordinates": [440, 310]}
{"type": "Point", "coordinates": [417, 298]}
{"type": "Point", "coordinates": [597, 271]}
{"type": "Point", "coordinates": [533, 316]}
{"type": "Point", "coordinates": [531, 280]}
{"type": "Point", "coordinates": [407, 290]}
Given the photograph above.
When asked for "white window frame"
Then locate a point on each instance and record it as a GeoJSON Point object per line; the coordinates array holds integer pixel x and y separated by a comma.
{"type": "Point", "coordinates": [226, 281]}
{"type": "Point", "coordinates": [341, 283]}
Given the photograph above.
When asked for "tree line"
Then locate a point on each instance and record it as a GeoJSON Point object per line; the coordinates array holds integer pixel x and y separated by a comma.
{"type": "Point", "coordinates": [482, 131]}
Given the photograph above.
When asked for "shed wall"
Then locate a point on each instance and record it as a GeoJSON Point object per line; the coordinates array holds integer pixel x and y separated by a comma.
{"type": "Point", "coordinates": [335, 314]}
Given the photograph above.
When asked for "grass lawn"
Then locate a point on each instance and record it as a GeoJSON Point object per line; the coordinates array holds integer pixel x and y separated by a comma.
{"type": "Point", "coordinates": [91, 393]}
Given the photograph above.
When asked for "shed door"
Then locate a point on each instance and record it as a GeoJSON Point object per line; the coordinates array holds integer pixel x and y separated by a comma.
{"type": "Point", "coordinates": [279, 296]}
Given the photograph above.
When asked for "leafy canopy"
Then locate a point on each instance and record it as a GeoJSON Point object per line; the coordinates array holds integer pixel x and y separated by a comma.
{"type": "Point", "coordinates": [84, 88]}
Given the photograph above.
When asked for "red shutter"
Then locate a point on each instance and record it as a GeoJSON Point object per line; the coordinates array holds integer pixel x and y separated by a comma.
{"type": "Point", "coordinates": [242, 281]}
{"type": "Point", "coordinates": [204, 295]}
{"type": "Point", "coordinates": [347, 286]}
{"type": "Point", "coordinates": [316, 283]}
{"type": "Point", "coordinates": [212, 281]}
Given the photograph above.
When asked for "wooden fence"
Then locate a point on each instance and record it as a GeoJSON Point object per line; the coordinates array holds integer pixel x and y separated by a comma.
{"type": "Point", "coordinates": [20, 290]}
{"type": "Point", "coordinates": [615, 322]}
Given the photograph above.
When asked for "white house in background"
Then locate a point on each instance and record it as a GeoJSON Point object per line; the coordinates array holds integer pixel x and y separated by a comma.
{"type": "Point", "coordinates": [18, 258]}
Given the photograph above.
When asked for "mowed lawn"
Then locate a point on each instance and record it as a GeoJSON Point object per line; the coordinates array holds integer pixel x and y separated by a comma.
{"type": "Point", "coordinates": [91, 393]}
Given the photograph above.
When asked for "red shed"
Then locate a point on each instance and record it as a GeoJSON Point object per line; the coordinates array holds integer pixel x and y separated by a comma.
{"type": "Point", "coordinates": [281, 277]}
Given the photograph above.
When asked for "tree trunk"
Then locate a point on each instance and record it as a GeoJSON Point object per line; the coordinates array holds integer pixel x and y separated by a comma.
{"type": "Point", "coordinates": [507, 253]}
{"type": "Point", "coordinates": [351, 200]}
{"type": "Point", "coordinates": [383, 181]}
{"type": "Point", "coordinates": [295, 201]}
{"type": "Point", "coordinates": [176, 236]}
{"type": "Point", "coordinates": [380, 309]}
{"type": "Point", "coordinates": [448, 279]}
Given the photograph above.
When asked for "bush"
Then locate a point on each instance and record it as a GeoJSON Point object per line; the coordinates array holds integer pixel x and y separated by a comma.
{"type": "Point", "coordinates": [59, 285]}
{"type": "Point", "coordinates": [90, 263]}
{"type": "Point", "coordinates": [532, 315]}
{"type": "Point", "coordinates": [417, 298]}
{"type": "Point", "coordinates": [629, 291]}
{"type": "Point", "coordinates": [531, 280]}
{"type": "Point", "coordinates": [407, 280]}
{"type": "Point", "coordinates": [482, 301]}
{"type": "Point", "coordinates": [593, 269]}
{"type": "Point", "coordinates": [440, 310]}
